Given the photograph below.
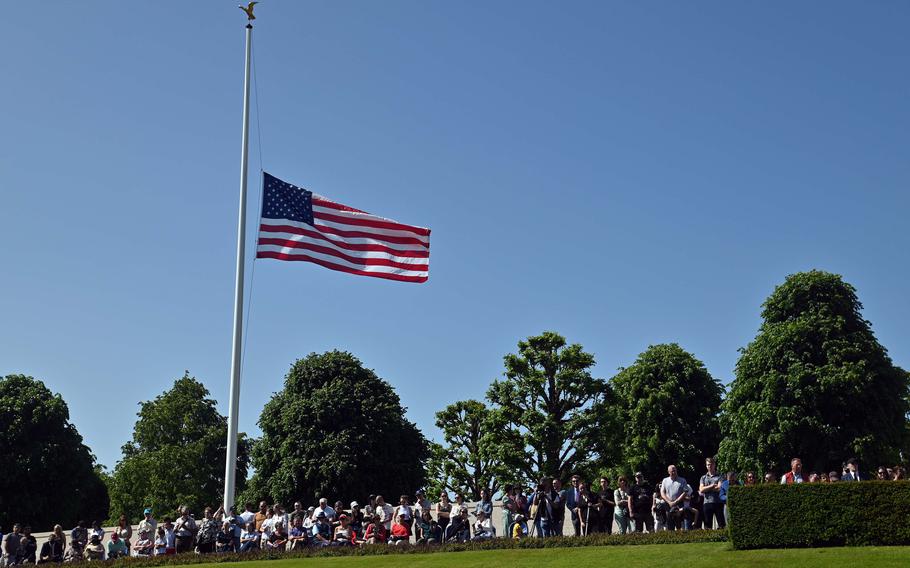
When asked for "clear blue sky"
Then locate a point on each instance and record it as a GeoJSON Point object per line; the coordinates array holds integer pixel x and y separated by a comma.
{"type": "Point", "coordinates": [624, 173]}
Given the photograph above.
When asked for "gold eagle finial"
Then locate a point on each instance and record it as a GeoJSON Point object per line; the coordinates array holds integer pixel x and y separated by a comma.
{"type": "Point", "coordinates": [249, 10]}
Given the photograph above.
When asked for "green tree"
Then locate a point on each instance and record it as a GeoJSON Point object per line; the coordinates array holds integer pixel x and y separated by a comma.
{"type": "Point", "coordinates": [47, 474]}
{"type": "Point", "coordinates": [471, 458]}
{"type": "Point", "coordinates": [335, 430]}
{"type": "Point", "coordinates": [814, 383]}
{"type": "Point", "coordinates": [551, 406]}
{"type": "Point", "coordinates": [669, 405]}
{"type": "Point", "coordinates": [176, 456]}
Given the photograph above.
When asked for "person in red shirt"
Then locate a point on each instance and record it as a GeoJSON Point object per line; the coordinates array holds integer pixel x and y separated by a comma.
{"type": "Point", "coordinates": [375, 533]}
{"type": "Point", "coordinates": [401, 534]}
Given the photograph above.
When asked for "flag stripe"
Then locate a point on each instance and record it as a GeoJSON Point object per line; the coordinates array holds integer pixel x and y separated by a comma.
{"type": "Point", "coordinates": [368, 235]}
{"type": "Point", "coordinates": [366, 221]}
{"type": "Point", "coordinates": [390, 276]}
{"type": "Point", "coordinates": [323, 202]}
{"type": "Point", "coordinates": [377, 268]}
{"type": "Point", "coordinates": [364, 258]}
{"type": "Point", "coordinates": [345, 236]}
{"type": "Point", "coordinates": [372, 245]}
{"type": "Point", "coordinates": [321, 219]}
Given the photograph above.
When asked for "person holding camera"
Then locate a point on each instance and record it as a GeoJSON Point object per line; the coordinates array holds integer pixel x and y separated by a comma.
{"type": "Point", "coordinates": [185, 531]}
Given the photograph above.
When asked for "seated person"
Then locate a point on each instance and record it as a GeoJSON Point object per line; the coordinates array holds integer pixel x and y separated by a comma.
{"type": "Point", "coordinates": [298, 537]}
{"type": "Point", "coordinates": [94, 550]}
{"type": "Point", "coordinates": [278, 539]}
{"type": "Point", "coordinates": [459, 529]}
{"type": "Point", "coordinates": [375, 532]}
{"type": "Point", "coordinates": [357, 519]}
{"type": "Point", "coordinates": [73, 552]}
{"type": "Point", "coordinates": [344, 534]}
{"type": "Point", "coordinates": [321, 531]}
{"type": "Point", "coordinates": [52, 550]}
{"type": "Point", "coordinates": [116, 548]}
{"type": "Point", "coordinates": [249, 538]}
{"type": "Point", "coordinates": [224, 540]}
{"type": "Point", "coordinates": [483, 527]}
{"type": "Point", "coordinates": [422, 526]}
{"type": "Point", "coordinates": [28, 546]}
{"type": "Point", "coordinates": [161, 542]}
{"type": "Point", "coordinates": [519, 527]}
{"type": "Point", "coordinates": [401, 534]}
{"type": "Point", "coordinates": [145, 546]}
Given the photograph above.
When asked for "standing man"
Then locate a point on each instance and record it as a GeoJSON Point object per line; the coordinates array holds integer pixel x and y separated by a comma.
{"type": "Point", "coordinates": [852, 472]}
{"type": "Point", "coordinates": [11, 543]}
{"type": "Point", "coordinates": [384, 511]}
{"type": "Point", "coordinates": [484, 505]}
{"type": "Point", "coordinates": [673, 492]}
{"type": "Point", "coordinates": [640, 504]}
{"type": "Point", "coordinates": [795, 475]}
{"type": "Point", "coordinates": [709, 488]}
{"type": "Point", "coordinates": [185, 531]}
{"type": "Point", "coordinates": [573, 498]}
{"type": "Point", "coordinates": [559, 508]}
{"type": "Point", "coordinates": [148, 524]}
{"type": "Point", "coordinates": [262, 515]}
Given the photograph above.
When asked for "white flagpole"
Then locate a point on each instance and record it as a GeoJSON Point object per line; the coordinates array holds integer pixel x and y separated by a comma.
{"type": "Point", "coordinates": [230, 462]}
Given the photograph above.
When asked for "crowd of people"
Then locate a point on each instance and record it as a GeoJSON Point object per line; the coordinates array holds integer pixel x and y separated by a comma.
{"type": "Point", "coordinates": [539, 511]}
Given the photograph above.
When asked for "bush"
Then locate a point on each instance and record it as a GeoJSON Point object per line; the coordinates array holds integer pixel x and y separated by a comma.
{"type": "Point", "coordinates": [820, 514]}
{"type": "Point", "coordinates": [662, 537]}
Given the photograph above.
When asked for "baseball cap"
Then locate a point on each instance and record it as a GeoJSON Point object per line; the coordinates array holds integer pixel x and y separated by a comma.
{"type": "Point", "coordinates": [148, 511]}
{"type": "Point", "coordinates": [354, 504]}
{"type": "Point", "coordinates": [320, 515]}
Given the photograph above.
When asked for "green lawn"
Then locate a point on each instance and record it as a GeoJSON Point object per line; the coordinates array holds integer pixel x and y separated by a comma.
{"type": "Point", "coordinates": [661, 555]}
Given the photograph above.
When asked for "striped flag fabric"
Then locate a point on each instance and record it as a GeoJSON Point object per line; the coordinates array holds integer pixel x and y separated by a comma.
{"type": "Point", "coordinates": [297, 224]}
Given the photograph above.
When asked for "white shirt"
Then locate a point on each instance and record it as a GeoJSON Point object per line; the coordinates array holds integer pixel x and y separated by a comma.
{"type": "Point", "coordinates": [797, 478]}
{"type": "Point", "coordinates": [385, 513]}
{"type": "Point", "coordinates": [329, 513]}
{"type": "Point", "coordinates": [483, 528]}
{"type": "Point", "coordinates": [673, 488]}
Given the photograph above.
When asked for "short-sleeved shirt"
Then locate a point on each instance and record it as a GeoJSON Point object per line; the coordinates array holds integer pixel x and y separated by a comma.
{"type": "Point", "coordinates": [324, 529]}
{"type": "Point", "coordinates": [673, 488]}
{"type": "Point", "coordinates": [260, 518]}
{"type": "Point", "coordinates": [117, 548]}
{"type": "Point", "coordinates": [148, 526]}
{"type": "Point", "coordinates": [11, 544]}
{"type": "Point", "coordinates": [712, 496]}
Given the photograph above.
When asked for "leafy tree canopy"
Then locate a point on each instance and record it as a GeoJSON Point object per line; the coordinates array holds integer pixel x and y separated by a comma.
{"type": "Point", "coordinates": [669, 405]}
{"type": "Point", "coordinates": [550, 403]}
{"type": "Point", "coordinates": [176, 456]}
{"type": "Point", "coordinates": [814, 384]}
{"type": "Point", "coordinates": [472, 457]}
{"type": "Point", "coordinates": [47, 475]}
{"type": "Point", "coordinates": [335, 430]}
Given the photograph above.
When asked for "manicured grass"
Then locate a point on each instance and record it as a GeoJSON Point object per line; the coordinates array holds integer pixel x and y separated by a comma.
{"type": "Point", "coordinates": [662, 555]}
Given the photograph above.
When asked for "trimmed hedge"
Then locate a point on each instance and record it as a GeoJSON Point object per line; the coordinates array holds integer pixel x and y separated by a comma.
{"type": "Point", "coordinates": [820, 514]}
{"type": "Point", "coordinates": [662, 537]}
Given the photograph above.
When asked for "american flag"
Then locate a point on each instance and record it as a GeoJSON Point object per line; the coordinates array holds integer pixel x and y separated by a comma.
{"type": "Point", "coordinates": [298, 224]}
